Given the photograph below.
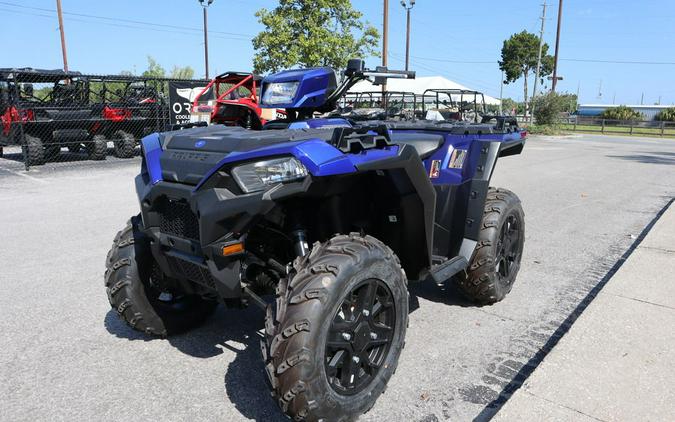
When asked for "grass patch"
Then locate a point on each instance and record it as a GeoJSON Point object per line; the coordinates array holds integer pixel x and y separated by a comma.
{"type": "Point", "coordinates": [623, 130]}
{"type": "Point", "coordinates": [547, 130]}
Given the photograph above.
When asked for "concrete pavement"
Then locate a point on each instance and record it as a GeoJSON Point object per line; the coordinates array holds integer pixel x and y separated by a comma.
{"type": "Point", "coordinates": [616, 361]}
{"type": "Point", "coordinates": [67, 357]}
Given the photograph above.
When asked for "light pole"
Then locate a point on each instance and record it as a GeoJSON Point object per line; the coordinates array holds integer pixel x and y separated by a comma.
{"type": "Point", "coordinates": [205, 4]}
{"type": "Point", "coordinates": [407, 5]}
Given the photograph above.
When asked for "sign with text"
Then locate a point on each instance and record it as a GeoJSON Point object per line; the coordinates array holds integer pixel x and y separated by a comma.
{"type": "Point", "coordinates": [181, 96]}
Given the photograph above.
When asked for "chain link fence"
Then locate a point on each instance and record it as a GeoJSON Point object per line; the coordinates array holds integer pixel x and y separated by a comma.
{"type": "Point", "coordinates": [53, 116]}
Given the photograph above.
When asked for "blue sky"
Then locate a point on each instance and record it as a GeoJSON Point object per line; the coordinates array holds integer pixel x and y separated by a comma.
{"type": "Point", "coordinates": [445, 34]}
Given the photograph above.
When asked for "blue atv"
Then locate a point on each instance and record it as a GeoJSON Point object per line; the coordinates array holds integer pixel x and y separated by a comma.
{"type": "Point", "coordinates": [331, 216]}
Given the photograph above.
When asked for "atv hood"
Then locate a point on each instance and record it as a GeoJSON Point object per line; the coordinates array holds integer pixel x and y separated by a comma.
{"type": "Point", "coordinates": [190, 154]}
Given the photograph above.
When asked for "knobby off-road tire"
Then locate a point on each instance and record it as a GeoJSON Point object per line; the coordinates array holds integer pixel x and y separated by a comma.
{"type": "Point", "coordinates": [52, 152]}
{"type": "Point", "coordinates": [496, 259]}
{"type": "Point", "coordinates": [98, 148]}
{"type": "Point", "coordinates": [316, 298]}
{"type": "Point", "coordinates": [125, 144]}
{"type": "Point", "coordinates": [34, 151]}
{"type": "Point", "coordinates": [131, 292]}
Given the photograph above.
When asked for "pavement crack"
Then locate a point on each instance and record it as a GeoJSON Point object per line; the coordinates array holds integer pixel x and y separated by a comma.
{"type": "Point", "coordinates": [564, 407]}
{"type": "Point", "coordinates": [644, 301]}
{"type": "Point", "coordinates": [654, 248]}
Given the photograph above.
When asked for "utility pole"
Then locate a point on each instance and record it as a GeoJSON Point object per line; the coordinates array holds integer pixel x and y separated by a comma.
{"type": "Point", "coordinates": [385, 43]}
{"type": "Point", "coordinates": [501, 94]}
{"type": "Point", "coordinates": [205, 4]}
{"type": "Point", "coordinates": [557, 45]}
{"type": "Point", "coordinates": [63, 35]}
{"type": "Point", "coordinates": [541, 45]}
{"type": "Point", "coordinates": [407, 5]}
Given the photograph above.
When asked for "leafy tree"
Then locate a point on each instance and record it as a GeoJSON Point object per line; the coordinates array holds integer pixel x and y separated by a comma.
{"type": "Point", "coordinates": [547, 108]}
{"type": "Point", "coordinates": [182, 72]}
{"type": "Point", "coordinates": [312, 33]}
{"type": "Point", "coordinates": [519, 59]}
{"type": "Point", "coordinates": [154, 70]}
{"type": "Point", "coordinates": [569, 102]}
{"type": "Point", "coordinates": [621, 112]}
{"type": "Point", "coordinates": [509, 105]}
{"type": "Point", "coordinates": [667, 115]}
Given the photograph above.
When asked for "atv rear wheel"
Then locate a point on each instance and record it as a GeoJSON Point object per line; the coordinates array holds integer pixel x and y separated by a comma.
{"type": "Point", "coordinates": [98, 148]}
{"type": "Point", "coordinates": [125, 144]}
{"type": "Point", "coordinates": [33, 151]}
{"type": "Point", "coordinates": [52, 152]}
{"type": "Point", "coordinates": [134, 292]}
{"type": "Point", "coordinates": [496, 259]}
{"type": "Point", "coordinates": [335, 335]}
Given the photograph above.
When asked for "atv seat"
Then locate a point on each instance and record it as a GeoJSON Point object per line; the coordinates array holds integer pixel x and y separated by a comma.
{"type": "Point", "coordinates": [425, 144]}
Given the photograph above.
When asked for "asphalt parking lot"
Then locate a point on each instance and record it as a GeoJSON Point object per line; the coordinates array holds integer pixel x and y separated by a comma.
{"type": "Point", "coordinates": [66, 356]}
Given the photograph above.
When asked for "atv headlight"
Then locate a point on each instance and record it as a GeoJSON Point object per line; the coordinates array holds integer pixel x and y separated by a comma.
{"type": "Point", "coordinates": [279, 93]}
{"type": "Point", "coordinates": [257, 176]}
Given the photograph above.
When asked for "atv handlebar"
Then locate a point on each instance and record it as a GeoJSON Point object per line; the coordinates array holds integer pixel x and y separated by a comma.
{"type": "Point", "coordinates": [353, 76]}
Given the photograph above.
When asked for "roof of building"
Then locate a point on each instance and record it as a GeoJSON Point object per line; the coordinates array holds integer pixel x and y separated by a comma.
{"type": "Point", "coordinates": [417, 86]}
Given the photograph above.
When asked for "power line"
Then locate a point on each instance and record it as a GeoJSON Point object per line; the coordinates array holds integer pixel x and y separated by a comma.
{"type": "Point", "coordinates": [562, 59]}
{"type": "Point", "coordinates": [618, 61]}
{"type": "Point", "coordinates": [184, 28]}
{"type": "Point", "coordinates": [480, 84]}
{"type": "Point", "coordinates": [456, 61]}
{"type": "Point", "coordinates": [120, 25]}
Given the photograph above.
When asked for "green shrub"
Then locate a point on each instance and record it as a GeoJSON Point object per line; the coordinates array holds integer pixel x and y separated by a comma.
{"type": "Point", "coordinates": [547, 108]}
{"type": "Point", "coordinates": [667, 115]}
{"type": "Point", "coordinates": [621, 112]}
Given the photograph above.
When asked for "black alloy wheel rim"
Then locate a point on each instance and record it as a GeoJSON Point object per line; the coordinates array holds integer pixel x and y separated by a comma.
{"type": "Point", "coordinates": [360, 336]}
{"type": "Point", "coordinates": [508, 247]}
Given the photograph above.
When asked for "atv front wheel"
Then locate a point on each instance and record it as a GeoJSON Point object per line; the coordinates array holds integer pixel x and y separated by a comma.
{"type": "Point", "coordinates": [496, 259]}
{"type": "Point", "coordinates": [134, 292]}
{"type": "Point", "coordinates": [34, 151]}
{"type": "Point", "coordinates": [125, 144]}
{"type": "Point", "coordinates": [335, 335]}
{"type": "Point", "coordinates": [98, 148]}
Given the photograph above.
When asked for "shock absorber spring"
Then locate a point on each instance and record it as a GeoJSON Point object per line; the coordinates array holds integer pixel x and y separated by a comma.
{"type": "Point", "coordinates": [300, 244]}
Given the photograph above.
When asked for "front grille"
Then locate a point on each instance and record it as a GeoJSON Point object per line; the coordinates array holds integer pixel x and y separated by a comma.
{"type": "Point", "coordinates": [193, 272]}
{"type": "Point", "coordinates": [176, 218]}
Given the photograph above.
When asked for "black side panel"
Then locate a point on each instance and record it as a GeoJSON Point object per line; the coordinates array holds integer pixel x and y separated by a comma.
{"type": "Point", "coordinates": [411, 165]}
{"type": "Point", "coordinates": [489, 151]}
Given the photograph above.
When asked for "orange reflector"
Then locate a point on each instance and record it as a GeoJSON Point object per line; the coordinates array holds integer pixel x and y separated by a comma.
{"type": "Point", "coordinates": [233, 249]}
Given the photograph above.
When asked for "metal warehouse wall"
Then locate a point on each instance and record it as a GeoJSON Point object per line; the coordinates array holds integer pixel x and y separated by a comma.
{"type": "Point", "coordinates": [649, 111]}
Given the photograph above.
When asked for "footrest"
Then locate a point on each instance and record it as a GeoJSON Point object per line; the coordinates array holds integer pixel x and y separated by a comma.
{"type": "Point", "coordinates": [443, 272]}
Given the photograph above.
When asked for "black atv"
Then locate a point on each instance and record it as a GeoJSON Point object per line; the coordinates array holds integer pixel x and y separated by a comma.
{"type": "Point", "coordinates": [332, 217]}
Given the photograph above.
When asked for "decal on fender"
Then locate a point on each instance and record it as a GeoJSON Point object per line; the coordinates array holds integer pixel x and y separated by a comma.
{"type": "Point", "coordinates": [435, 169]}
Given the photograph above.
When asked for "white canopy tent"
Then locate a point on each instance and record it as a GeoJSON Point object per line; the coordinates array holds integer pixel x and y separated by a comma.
{"type": "Point", "coordinates": [417, 86]}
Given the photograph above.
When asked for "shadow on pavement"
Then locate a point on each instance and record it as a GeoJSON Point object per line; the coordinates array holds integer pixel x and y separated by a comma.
{"type": "Point", "coordinates": [64, 156]}
{"type": "Point", "coordinates": [236, 331]}
{"type": "Point", "coordinates": [449, 294]}
{"type": "Point", "coordinates": [667, 158]}
{"type": "Point", "coordinates": [232, 330]}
